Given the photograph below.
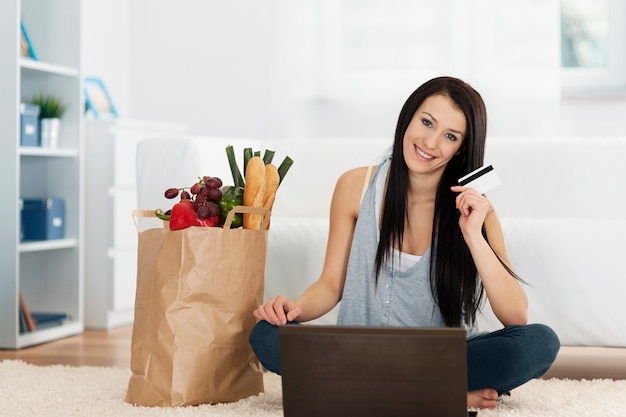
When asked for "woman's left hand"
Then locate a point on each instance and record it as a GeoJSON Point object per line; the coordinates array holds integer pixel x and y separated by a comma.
{"type": "Point", "coordinates": [473, 207]}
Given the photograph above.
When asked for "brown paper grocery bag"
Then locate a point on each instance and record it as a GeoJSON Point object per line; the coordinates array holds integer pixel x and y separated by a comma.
{"type": "Point", "coordinates": [196, 289]}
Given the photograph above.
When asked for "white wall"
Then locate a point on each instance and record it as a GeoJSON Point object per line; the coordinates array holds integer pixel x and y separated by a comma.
{"type": "Point", "coordinates": [222, 69]}
{"type": "Point", "coordinates": [106, 51]}
{"type": "Point", "coordinates": [202, 63]}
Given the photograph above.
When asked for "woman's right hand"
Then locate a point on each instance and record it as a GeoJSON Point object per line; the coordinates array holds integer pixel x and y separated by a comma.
{"type": "Point", "coordinates": [278, 310]}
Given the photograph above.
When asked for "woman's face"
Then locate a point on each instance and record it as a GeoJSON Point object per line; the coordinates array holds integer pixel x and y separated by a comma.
{"type": "Point", "coordinates": [434, 135]}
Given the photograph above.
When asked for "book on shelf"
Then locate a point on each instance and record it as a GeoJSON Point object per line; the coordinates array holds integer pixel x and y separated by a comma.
{"type": "Point", "coordinates": [29, 323]}
{"type": "Point", "coordinates": [45, 320]}
{"type": "Point", "coordinates": [23, 323]}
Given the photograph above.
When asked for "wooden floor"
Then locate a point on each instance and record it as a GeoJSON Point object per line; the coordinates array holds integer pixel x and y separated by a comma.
{"type": "Point", "coordinates": [91, 348]}
{"type": "Point", "coordinates": [112, 349]}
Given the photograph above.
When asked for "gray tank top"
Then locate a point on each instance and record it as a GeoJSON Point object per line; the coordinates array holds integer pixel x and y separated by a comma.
{"type": "Point", "coordinates": [402, 296]}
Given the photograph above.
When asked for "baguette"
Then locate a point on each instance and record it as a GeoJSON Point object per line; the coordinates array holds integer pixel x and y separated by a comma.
{"type": "Point", "coordinates": [272, 179]}
{"type": "Point", "coordinates": [254, 191]}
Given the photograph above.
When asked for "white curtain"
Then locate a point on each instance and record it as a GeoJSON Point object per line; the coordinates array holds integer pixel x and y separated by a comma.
{"type": "Point", "coordinates": [345, 67]}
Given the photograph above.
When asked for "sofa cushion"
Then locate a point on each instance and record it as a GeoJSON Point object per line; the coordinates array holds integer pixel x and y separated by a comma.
{"type": "Point", "coordinates": [576, 274]}
{"type": "Point", "coordinates": [296, 249]}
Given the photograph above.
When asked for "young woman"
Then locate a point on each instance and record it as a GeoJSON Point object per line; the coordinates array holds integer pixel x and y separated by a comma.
{"type": "Point", "coordinates": [417, 250]}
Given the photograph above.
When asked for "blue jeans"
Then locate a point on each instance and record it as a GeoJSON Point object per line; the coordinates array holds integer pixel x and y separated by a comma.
{"type": "Point", "coordinates": [501, 360]}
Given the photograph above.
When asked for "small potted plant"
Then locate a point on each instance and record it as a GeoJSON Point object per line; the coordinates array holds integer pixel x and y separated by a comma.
{"type": "Point", "coordinates": [51, 109]}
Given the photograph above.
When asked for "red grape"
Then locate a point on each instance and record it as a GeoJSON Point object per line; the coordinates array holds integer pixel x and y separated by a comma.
{"type": "Point", "coordinates": [215, 194]}
{"type": "Point", "coordinates": [199, 201]}
{"type": "Point", "coordinates": [214, 209]}
{"type": "Point", "coordinates": [203, 212]}
{"type": "Point", "coordinates": [214, 182]}
{"type": "Point", "coordinates": [171, 193]}
{"type": "Point", "coordinates": [195, 188]}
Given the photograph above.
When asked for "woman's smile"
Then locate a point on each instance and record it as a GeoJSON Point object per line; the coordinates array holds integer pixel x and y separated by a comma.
{"type": "Point", "coordinates": [425, 155]}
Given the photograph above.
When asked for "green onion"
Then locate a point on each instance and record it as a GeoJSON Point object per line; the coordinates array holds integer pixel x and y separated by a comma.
{"type": "Point", "coordinates": [247, 155]}
{"type": "Point", "coordinates": [234, 169]}
{"type": "Point", "coordinates": [268, 156]}
{"type": "Point", "coordinates": [284, 167]}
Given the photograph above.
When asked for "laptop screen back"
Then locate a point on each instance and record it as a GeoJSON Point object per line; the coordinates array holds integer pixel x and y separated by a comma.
{"type": "Point", "coordinates": [373, 371]}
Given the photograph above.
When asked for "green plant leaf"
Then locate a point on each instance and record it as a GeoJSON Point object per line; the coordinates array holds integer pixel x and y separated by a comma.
{"type": "Point", "coordinates": [49, 106]}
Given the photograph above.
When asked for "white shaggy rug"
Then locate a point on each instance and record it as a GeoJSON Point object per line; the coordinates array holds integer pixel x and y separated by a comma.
{"type": "Point", "coordinates": [50, 391]}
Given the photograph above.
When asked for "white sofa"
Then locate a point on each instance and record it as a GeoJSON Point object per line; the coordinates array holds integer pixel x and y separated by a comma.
{"type": "Point", "coordinates": [562, 204]}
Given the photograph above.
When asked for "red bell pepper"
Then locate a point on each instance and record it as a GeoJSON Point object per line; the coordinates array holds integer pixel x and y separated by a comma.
{"type": "Point", "coordinates": [184, 215]}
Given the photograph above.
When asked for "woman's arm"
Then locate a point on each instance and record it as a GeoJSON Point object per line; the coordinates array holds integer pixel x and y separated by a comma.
{"type": "Point", "coordinates": [506, 296]}
{"type": "Point", "coordinates": [326, 292]}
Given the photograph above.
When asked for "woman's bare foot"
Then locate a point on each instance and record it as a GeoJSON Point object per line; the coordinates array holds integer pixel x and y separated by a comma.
{"type": "Point", "coordinates": [482, 398]}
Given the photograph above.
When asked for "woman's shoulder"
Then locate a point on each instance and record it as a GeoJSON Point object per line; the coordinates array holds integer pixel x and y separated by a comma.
{"type": "Point", "coordinates": [351, 184]}
{"type": "Point", "coordinates": [355, 178]}
{"type": "Point", "coordinates": [358, 173]}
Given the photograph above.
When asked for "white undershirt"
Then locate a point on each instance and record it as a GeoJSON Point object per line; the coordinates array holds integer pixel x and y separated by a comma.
{"type": "Point", "coordinates": [402, 261]}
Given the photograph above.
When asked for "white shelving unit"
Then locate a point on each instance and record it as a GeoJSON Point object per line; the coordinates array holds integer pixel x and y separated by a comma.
{"type": "Point", "coordinates": [48, 273]}
{"type": "Point", "coordinates": [110, 197]}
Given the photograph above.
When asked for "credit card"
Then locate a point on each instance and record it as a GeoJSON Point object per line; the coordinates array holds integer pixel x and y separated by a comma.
{"type": "Point", "coordinates": [482, 179]}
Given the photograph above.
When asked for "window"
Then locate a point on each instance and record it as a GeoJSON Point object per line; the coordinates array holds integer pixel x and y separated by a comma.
{"type": "Point", "coordinates": [592, 47]}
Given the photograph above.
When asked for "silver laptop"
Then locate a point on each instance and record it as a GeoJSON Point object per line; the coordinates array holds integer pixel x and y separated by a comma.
{"type": "Point", "coordinates": [373, 371]}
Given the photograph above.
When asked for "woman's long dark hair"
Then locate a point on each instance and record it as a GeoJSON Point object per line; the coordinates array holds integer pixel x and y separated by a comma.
{"type": "Point", "coordinates": [453, 275]}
